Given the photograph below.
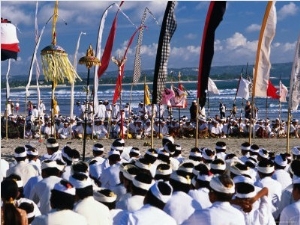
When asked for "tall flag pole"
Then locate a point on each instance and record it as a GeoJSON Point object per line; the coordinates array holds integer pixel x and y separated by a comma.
{"type": "Point", "coordinates": [294, 95]}
{"type": "Point", "coordinates": [263, 65]}
{"type": "Point", "coordinates": [168, 28]}
{"type": "Point", "coordinates": [37, 67]}
{"type": "Point", "coordinates": [214, 17]}
{"type": "Point", "coordinates": [283, 93]}
{"type": "Point", "coordinates": [75, 62]}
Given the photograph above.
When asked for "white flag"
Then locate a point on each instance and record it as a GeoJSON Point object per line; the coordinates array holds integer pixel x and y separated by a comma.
{"type": "Point", "coordinates": [283, 92]}
{"type": "Point", "coordinates": [294, 97]}
{"type": "Point", "coordinates": [263, 64]}
{"type": "Point", "coordinates": [212, 88]}
{"type": "Point", "coordinates": [243, 89]}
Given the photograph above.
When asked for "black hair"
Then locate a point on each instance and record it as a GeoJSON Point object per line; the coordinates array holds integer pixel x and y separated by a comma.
{"type": "Point", "coordinates": [83, 192]}
{"type": "Point", "coordinates": [227, 182]}
{"type": "Point", "coordinates": [107, 193]}
{"type": "Point", "coordinates": [151, 199]}
{"type": "Point", "coordinates": [80, 167]}
{"type": "Point", "coordinates": [52, 140]}
{"type": "Point", "coordinates": [60, 200]}
{"type": "Point", "coordinates": [164, 158]}
{"type": "Point", "coordinates": [244, 188]}
{"type": "Point", "coordinates": [144, 178]}
{"type": "Point", "coordinates": [16, 177]}
{"type": "Point", "coordinates": [265, 163]}
{"type": "Point", "coordinates": [217, 162]}
{"type": "Point", "coordinates": [151, 158]}
{"type": "Point", "coordinates": [283, 156]}
{"type": "Point", "coordinates": [295, 167]}
{"type": "Point", "coordinates": [20, 150]}
{"type": "Point", "coordinates": [9, 192]}
{"type": "Point", "coordinates": [178, 186]}
{"type": "Point", "coordinates": [29, 208]}
{"type": "Point", "coordinates": [222, 144]}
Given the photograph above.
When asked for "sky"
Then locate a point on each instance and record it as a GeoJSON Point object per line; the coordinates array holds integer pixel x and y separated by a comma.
{"type": "Point", "coordinates": [235, 42]}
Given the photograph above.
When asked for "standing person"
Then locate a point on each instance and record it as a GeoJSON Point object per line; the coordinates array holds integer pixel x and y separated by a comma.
{"type": "Point", "coordinates": [193, 111]}
{"type": "Point", "coordinates": [78, 110]}
{"type": "Point", "coordinates": [17, 106]}
{"type": "Point", "coordinates": [29, 108]}
{"type": "Point", "coordinates": [41, 108]}
{"type": "Point", "coordinates": [101, 110]}
{"type": "Point", "coordinates": [108, 110]}
{"type": "Point", "coordinates": [222, 109]}
{"type": "Point", "coordinates": [248, 110]}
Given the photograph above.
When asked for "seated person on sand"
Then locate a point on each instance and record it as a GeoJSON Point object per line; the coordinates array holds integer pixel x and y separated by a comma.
{"type": "Point", "coordinates": [48, 130]}
{"type": "Point", "coordinates": [215, 130]}
{"type": "Point", "coordinates": [203, 129]}
{"type": "Point", "coordinates": [188, 129]}
{"type": "Point", "coordinates": [78, 130]}
{"type": "Point", "coordinates": [139, 129]}
{"type": "Point", "coordinates": [89, 129]}
{"type": "Point", "coordinates": [100, 131]}
{"type": "Point", "coordinates": [294, 129]}
{"type": "Point", "coordinates": [65, 132]}
{"type": "Point", "coordinates": [35, 128]}
{"type": "Point", "coordinates": [28, 132]}
{"type": "Point", "coordinates": [147, 129]}
{"type": "Point", "coordinates": [281, 132]}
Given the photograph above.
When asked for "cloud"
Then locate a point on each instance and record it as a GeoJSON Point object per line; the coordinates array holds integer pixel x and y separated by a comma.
{"type": "Point", "coordinates": [202, 5]}
{"type": "Point", "coordinates": [190, 36]}
{"type": "Point", "coordinates": [287, 10]}
{"type": "Point", "coordinates": [253, 28]}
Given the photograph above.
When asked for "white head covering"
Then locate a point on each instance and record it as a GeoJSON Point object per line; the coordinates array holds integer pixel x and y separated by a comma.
{"type": "Point", "coordinates": [279, 160]}
{"type": "Point", "coordinates": [68, 188]}
{"type": "Point", "coordinates": [156, 192]}
{"type": "Point", "coordinates": [100, 197]}
{"type": "Point", "coordinates": [80, 183]}
{"type": "Point", "coordinates": [217, 185]}
{"type": "Point", "coordinates": [181, 179]}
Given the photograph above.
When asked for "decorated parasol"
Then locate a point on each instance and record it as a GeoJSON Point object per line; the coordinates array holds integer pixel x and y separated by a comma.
{"type": "Point", "coordinates": [56, 64]}
{"type": "Point", "coordinates": [89, 60]}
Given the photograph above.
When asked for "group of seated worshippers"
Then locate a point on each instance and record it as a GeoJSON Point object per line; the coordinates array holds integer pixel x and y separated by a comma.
{"type": "Point", "coordinates": [122, 185]}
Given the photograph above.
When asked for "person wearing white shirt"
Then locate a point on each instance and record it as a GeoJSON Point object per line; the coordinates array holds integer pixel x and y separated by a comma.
{"type": "Point", "coordinates": [115, 111]}
{"type": "Point", "coordinates": [22, 168]}
{"type": "Point", "coordinates": [222, 189]}
{"type": "Point", "coordinates": [180, 206]}
{"type": "Point", "coordinates": [62, 202]}
{"type": "Point", "coordinates": [52, 150]}
{"type": "Point", "coordinates": [215, 130]}
{"type": "Point", "coordinates": [152, 212]}
{"type": "Point", "coordinates": [35, 112]}
{"type": "Point", "coordinates": [282, 176]}
{"type": "Point", "coordinates": [265, 170]}
{"type": "Point", "coordinates": [65, 132]}
{"type": "Point", "coordinates": [4, 168]}
{"type": "Point", "coordinates": [41, 192]}
{"type": "Point", "coordinates": [41, 108]}
{"type": "Point", "coordinates": [95, 212]}
{"type": "Point", "coordinates": [290, 215]}
{"type": "Point", "coordinates": [101, 110]}
{"type": "Point", "coordinates": [100, 130]}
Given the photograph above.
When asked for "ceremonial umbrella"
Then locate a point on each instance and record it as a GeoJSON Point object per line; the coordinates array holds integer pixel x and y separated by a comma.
{"type": "Point", "coordinates": [56, 64]}
{"type": "Point", "coordinates": [89, 60]}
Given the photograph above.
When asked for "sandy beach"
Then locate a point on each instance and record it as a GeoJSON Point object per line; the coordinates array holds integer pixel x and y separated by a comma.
{"type": "Point", "coordinates": [233, 145]}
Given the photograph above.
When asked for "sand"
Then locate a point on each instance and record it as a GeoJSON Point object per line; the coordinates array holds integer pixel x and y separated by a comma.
{"type": "Point", "coordinates": [233, 145]}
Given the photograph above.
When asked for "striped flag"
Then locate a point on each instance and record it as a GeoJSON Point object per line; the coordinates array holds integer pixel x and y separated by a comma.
{"type": "Point", "coordinates": [294, 97]}
{"type": "Point", "coordinates": [272, 91]}
{"type": "Point", "coordinates": [214, 17]}
{"type": "Point", "coordinates": [263, 65]}
{"type": "Point", "coordinates": [9, 40]}
{"type": "Point", "coordinates": [163, 51]}
{"type": "Point", "coordinates": [283, 92]}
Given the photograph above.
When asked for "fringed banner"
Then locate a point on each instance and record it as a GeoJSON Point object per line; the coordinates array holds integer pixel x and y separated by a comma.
{"type": "Point", "coordinates": [294, 97]}
{"type": "Point", "coordinates": [214, 17]}
{"type": "Point", "coordinates": [263, 65]}
{"type": "Point", "coordinates": [163, 51]}
{"type": "Point", "coordinates": [37, 67]}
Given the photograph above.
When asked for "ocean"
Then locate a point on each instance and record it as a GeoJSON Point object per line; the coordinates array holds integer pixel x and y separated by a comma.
{"type": "Point", "coordinates": [269, 108]}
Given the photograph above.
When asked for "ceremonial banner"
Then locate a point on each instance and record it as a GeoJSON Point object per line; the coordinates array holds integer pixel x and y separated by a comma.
{"type": "Point", "coordinates": [272, 91]}
{"type": "Point", "coordinates": [108, 47]}
{"type": "Point", "coordinates": [214, 17]}
{"type": "Point", "coordinates": [163, 51]}
{"type": "Point", "coordinates": [283, 92]}
{"type": "Point", "coordinates": [294, 97]}
{"type": "Point", "coordinates": [146, 95]}
{"type": "Point", "coordinates": [263, 65]}
{"type": "Point", "coordinates": [9, 40]}
{"type": "Point", "coordinates": [212, 88]}
{"type": "Point", "coordinates": [243, 89]}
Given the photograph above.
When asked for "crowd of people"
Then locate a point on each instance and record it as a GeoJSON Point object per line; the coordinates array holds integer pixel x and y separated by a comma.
{"type": "Point", "coordinates": [111, 121]}
{"type": "Point", "coordinates": [121, 185]}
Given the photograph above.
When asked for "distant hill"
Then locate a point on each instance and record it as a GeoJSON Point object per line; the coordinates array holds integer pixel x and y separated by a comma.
{"type": "Point", "coordinates": [278, 70]}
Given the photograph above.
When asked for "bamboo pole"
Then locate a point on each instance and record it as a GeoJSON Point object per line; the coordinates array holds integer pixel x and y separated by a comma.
{"type": "Point", "coordinates": [288, 131]}
{"type": "Point", "coordinates": [152, 118]}
{"type": "Point", "coordinates": [197, 125]}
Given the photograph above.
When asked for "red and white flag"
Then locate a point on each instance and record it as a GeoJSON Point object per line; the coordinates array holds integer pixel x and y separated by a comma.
{"type": "Point", "coordinates": [283, 92]}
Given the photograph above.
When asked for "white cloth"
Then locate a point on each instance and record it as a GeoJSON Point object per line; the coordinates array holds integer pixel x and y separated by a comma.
{"type": "Point", "coordinates": [220, 213]}
{"type": "Point", "coordinates": [24, 170]}
{"type": "Point", "coordinates": [286, 197]}
{"type": "Point", "coordinates": [30, 184]}
{"type": "Point", "coordinates": [4, 168]}
{"type": "Point", "coordinates": [282, 177]}
{"type": "Point", "coordinates": [95, 212]}
{"type": "Point", "coordinates": [117, 215]}
{"type": "Point", "coordinates": [36, 210]}
{"type": "Point", "coordinates": [133, 203]}
{"type": "Point", "coordinates": [41, 193]}
{"type": "Point", "coordinates": [290, 215]}
{"type": "Point", "coordinates": [274, 195]}
{"type": "Point", "coordinates": [181, 206]}
{"type": "Point", "coordinates": [110, 176]}
{"type": "Point", "coordinates": [201, 196]}
{"type": "Point", "coordinates": [60, 218]}
{"type": "Point", "coordinates": [101, 111]}
{"type": "Point", "coordinates": [148, 215]}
